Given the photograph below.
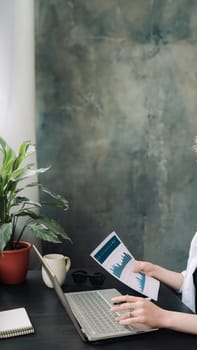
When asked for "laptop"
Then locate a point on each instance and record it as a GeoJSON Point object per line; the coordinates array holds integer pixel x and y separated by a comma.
{"type": "Point", "coordinates": [90, 311]}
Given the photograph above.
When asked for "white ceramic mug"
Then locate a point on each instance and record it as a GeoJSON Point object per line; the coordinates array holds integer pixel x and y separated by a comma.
{"type": "Point", "coordinates": [59, 264]}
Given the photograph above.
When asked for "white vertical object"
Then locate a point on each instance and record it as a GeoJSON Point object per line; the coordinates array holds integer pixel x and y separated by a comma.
{"type": "Point", "coordinates": [17, 74]}
{"type": "Point", "coordinates": [17, 96]}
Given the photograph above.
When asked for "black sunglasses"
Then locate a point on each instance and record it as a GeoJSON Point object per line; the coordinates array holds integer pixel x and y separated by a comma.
{"type": "Point", "coordinates": [81, 276]}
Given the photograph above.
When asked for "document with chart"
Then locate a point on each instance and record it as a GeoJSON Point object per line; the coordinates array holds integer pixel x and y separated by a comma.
{"type": "Point", "coordinates": [115, 258]}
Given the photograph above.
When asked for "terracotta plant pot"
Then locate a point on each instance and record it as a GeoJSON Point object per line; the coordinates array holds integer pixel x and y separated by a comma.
{"type": "Point", "coordinates": [14, 264]}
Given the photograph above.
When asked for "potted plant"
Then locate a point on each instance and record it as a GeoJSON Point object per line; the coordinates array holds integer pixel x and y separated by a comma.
{"type": "Point", "coordinates": [15, 171]}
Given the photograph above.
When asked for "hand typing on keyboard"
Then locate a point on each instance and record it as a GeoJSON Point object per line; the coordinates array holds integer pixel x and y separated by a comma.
{"type": "Point", "coordinates": [136, 311]}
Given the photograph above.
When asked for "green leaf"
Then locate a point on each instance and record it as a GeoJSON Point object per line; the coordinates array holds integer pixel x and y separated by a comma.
{"type": "Point", "coordinates": [48, 229]}
{"type": "Point", "coordinates": [9, 157]}
{"type": "Point", "coordinates": [3, 145]}
{"type": "Point", "coordinates": [62, 202]}
{"type": "Point", "coordinates": [27, 172]}
{"type": "Point", "coordinates": [18, 173]}
{"type": "Point", "coordinates": [5, 235]}
{"type": "Point", "coordinates": [26, 148]}
{"type": "Point", "coordinates": [33, 184]}
{"type": "Point", "coordinates": [25, 201]}
{"type": "Point", "coordinates": [44, 233]}
{"type": "Point", "coordinates": [27, 212]}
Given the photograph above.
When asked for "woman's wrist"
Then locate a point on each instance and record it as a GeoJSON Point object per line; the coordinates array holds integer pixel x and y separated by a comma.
{"type": "Point", "coordinates": [165, 319]}
{"type": "Point", "coordinates": [171, 278]}
{"type": "Point", "coordinates": [156, 271]}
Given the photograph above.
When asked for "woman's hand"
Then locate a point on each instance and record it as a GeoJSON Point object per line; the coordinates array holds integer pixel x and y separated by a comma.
{"type": "Point", "coordinates": [138, 310]}
{"type": "Point", "coordinates": [171, 278]}
{"type": "Point", "coordinates": [145, 267]}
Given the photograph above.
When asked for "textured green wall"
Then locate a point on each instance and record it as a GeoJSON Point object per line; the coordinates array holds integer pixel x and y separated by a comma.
{"type": "Point", "coordinates": [116, 104]}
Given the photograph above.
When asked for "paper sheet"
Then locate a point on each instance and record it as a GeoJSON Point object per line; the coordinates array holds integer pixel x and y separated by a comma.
{"type": "Point", "coordinates": [115, 258]}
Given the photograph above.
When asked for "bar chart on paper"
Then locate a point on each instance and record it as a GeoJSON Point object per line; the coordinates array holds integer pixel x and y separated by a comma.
{"type": "Point", "coordinates": [141, 278]}
{"type": "Point", "coordinates": [114, 257]}
{"type": "Point", "coordinates": [123, 270]}
{"type": "Point", "coordinates": [119, 267]}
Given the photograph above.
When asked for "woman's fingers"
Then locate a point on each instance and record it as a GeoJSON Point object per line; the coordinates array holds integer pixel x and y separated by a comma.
{"type": "Point", "coordinates": [125, 316]}
{"type": "Point", "coordinates": [137, 267]}
{"type": "Point", "coordinates": [124, 299]}
{"type": "Point", "coordinates": [138, 310]}
{"type": "Point", "coordinates": [123, 306]}
{"type": "Point", "coordinates": [145, 267]}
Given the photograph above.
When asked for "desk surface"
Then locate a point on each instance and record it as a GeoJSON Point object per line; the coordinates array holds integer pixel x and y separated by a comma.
{"type": "Point", "coordinates": [54, 330]}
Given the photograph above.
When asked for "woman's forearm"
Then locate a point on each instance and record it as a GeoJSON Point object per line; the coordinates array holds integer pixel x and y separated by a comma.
{"type": "Point", "coordinates": [171, 278]}
{"type": "Point", "coordinates": [178, 321]}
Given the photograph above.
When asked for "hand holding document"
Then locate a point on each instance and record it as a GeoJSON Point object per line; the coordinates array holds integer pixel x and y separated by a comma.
{"type": "Point", "coordinates": [115, 258]}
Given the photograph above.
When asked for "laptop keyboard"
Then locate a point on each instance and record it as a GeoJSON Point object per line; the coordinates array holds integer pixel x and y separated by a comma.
{"type": "Point", "coordinates": [93, 311]}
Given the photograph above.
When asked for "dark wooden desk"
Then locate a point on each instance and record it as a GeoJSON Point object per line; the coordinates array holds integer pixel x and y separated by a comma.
{"type": "Point", "coordinates": [54, 330]}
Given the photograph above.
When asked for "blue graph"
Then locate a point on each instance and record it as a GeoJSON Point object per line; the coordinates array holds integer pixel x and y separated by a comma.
{"type": "Point", "coordinates": [118, 268]}
{"type": "Point", "coordinates": [141, 281]}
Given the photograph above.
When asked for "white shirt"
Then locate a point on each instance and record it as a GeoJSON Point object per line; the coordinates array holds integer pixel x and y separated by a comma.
{"type": "Point", "coordinates": [188, 289]}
